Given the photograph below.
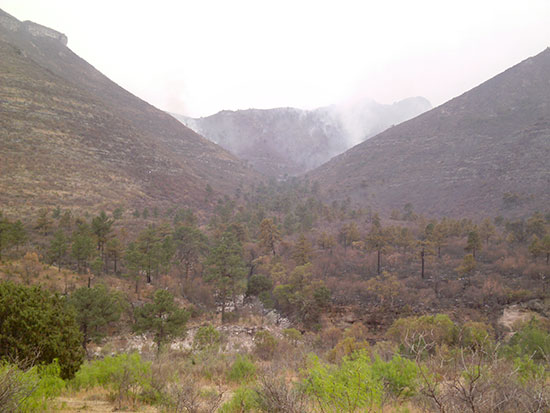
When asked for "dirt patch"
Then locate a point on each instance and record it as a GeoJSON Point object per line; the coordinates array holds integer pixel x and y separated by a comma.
{"type": "Point", "coordinates": [513, 316]}
{"type": "Point", "coordinates": [78, 404]}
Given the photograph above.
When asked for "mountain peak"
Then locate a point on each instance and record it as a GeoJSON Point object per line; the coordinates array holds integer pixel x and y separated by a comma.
{"type": "Point", "coordinates": [470, 155]}
{"type": "Point", "coordinates": [10, 23]}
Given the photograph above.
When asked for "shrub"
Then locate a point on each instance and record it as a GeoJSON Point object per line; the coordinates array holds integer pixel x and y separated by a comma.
{"type": "Point", "coordinates": [292, 335]}
{"type": "Point", "coordinates": [345, 348]}
{"type": "Point", "coordinates": [399, 376]}
{"type": "Point", "coordinates": [346, 388]}
{"type": "Point", "coordinates": [125, 375]}
{"type": "Point", "coordinates": [420, 335]}
{"type": "Point", "coordinates": [244, 400]}
{"type": "Point", "coordinates": [37, 325]}
{"type": "Point", "coordinates": [477, 336]}
{"type": "Point", "coordinates": [30, 390]}
{"type": "Point", "coordinates": [258, 284]}
{"type": "Point", "coordinates": [266, 344]}
{"type": "Point", "coordinates": [207, 338]}
{"type": "Point", "coordinates": [531, 341]}
{"type": "Point", "coordinates": [186, 396]}
{"type": "Point", "coordinates": [243, 370]}
{"type": "Point", "coordinates": [275, 395]}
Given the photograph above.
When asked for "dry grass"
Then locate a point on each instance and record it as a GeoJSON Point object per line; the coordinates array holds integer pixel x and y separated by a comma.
{"type": "Point", "coordinates": [92, 400]}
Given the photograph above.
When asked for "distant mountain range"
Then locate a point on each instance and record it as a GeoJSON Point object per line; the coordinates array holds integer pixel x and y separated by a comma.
{"type": "Point", "coordinates": [486, 152]}
{"type": "Point", "coordinates": [69, 136]}
{"type": "Point", "coordinates": [290, 141]}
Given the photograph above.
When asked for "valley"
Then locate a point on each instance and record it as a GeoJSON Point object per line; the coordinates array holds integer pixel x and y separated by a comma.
{"type": "Point", "coordinates": [380, 258]}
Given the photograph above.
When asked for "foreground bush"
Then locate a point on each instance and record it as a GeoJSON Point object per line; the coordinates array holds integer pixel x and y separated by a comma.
{"type": "Point", "coordinates": [126, 376]}
{"type": "Point", "coordinates": [31, 390]}
{"type": "Point", "coordinates": [242, 370]}
{"type": "Point", "coordinates": [480, 381]}
{"type": "Point", "coordinates": [359, 383]}
{"type": "Point", "coordinates": [422, 335]}
{"type": "Point", "coordinates": [531, 341]}
{"type": "Point", "coordinates": [37, 325]}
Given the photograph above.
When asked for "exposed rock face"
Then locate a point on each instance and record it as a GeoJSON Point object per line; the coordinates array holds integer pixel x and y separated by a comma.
{"type": "Point", "coordinates": [36, 30]}
{"type": "Point", "coordinates": [290, 141]}
{"type": "Point", "coordinates": [483, 153]}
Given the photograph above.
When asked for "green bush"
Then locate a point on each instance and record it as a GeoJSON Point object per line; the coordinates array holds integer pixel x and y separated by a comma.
{"type": "Point", "coordinates": [244, 400]}
{"type": "Point", "coordinates": [242, 370]}
{"type": "Point", "coordinates": [477, 336]}
{"type": "Point", "coordinates": [30, 390]}
{"type": "Point", "coordinates": [399, 376]}
{"type": "Point", "coordinates": [34, 323]}
{"type": "Point", "coordinates": [528, 370]}
{"type": "Point", "coordinates": [126, 376]}
{"type": "Point", "coordinates": [531, 341]}
{"type": "Point", "coordinates": [206, 338]}
{"type": "Point", "coordinates": [350, 387]}
{"type": "Point", "coordinates": [423, 334]}
{"type": "Point", "coordinates": [359, 383]}
{"type": "Point", "coordinates": [292, 335]}
{"type": "Point", "coordinates": [259, 283]}
{"type": "Point", "coordinates": [347, 346]}
{"type": "Point", "coordinates": [266, 298]}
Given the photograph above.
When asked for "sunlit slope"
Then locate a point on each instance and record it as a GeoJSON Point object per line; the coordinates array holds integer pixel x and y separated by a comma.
{"type": "Point", "coordinates": [72, 137]}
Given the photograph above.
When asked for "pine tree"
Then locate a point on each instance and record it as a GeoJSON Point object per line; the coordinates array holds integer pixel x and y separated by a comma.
{"type": "Point", "coordinates": [302, 251]}
{"type": "Point", "coordinates": [487, 230]}
{"type": "Point", "coordinates": [83, 246]}
{"type": "Point", "coordinates": [43, 222]}
{"type": "Point", "coordinates": [378, 239]}
{"type": "Point", "coordinates": [133, 259]}
{"type": "Point", "coordinates": [114, 251]}
{"type": "Point", "coordinates": [58, 248]}
{"type": "Point", "coordinates": [348, 235]}
{"type": "Point", "coordinates": [226, 268]}
{"type": "Point", "coordinates": [269, 235]}
{"type": "Point", "coordinates": [162, 317]}
{"type": "Point", "coordinates": [96, 308]}
{"type": "Point", "coordinates": [190, 244]}
{"type": "Point", "coordinates": [545, 247]}
{"type": "Point", "coordinates": [101, 227]}
{"type": "Point", "coordinates": [474, 242]}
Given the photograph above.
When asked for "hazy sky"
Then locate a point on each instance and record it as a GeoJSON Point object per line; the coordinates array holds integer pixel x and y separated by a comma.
{"type": "Point", "coordinates": [198, 57]}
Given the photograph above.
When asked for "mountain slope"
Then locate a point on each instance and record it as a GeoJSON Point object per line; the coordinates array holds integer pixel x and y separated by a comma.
{"type": "Point", "coordinates": [484, 152]}
{"type": "Point", "coordinates": [72, 137]}
{"type": "Point", "coordinates": [289, 141]}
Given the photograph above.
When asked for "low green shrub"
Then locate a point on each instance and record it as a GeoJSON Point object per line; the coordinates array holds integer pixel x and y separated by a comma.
{"type": "Point", "coordinates": [206, 338]}
{"type": "Point", "coordinates": [292, 335]}
{"type": "Point", "coordinates": [244, 400]}
{"type": "Point", "coordinates": [126, 376]}
{"type": "Point", "coordinates": [242, 370]}
{"type": "Point", "coordinates": [399, 375]}
{"type": "Point", "coordinates": [349, 387]}
{"type": "Point", "coordinates": [531, 340]}
{"type": "Point", "coordinates": [477, 336]}
{"type": "Point", "coordinates": [422, 335]}
{"type": "Point", "coordinates": [359, 383]}
{"type": "Point", "coordinates": [29, 390]}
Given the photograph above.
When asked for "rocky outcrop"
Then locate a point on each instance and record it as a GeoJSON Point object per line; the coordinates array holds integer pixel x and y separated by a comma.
{"type": "Point", "coordinates": [36, 30]}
